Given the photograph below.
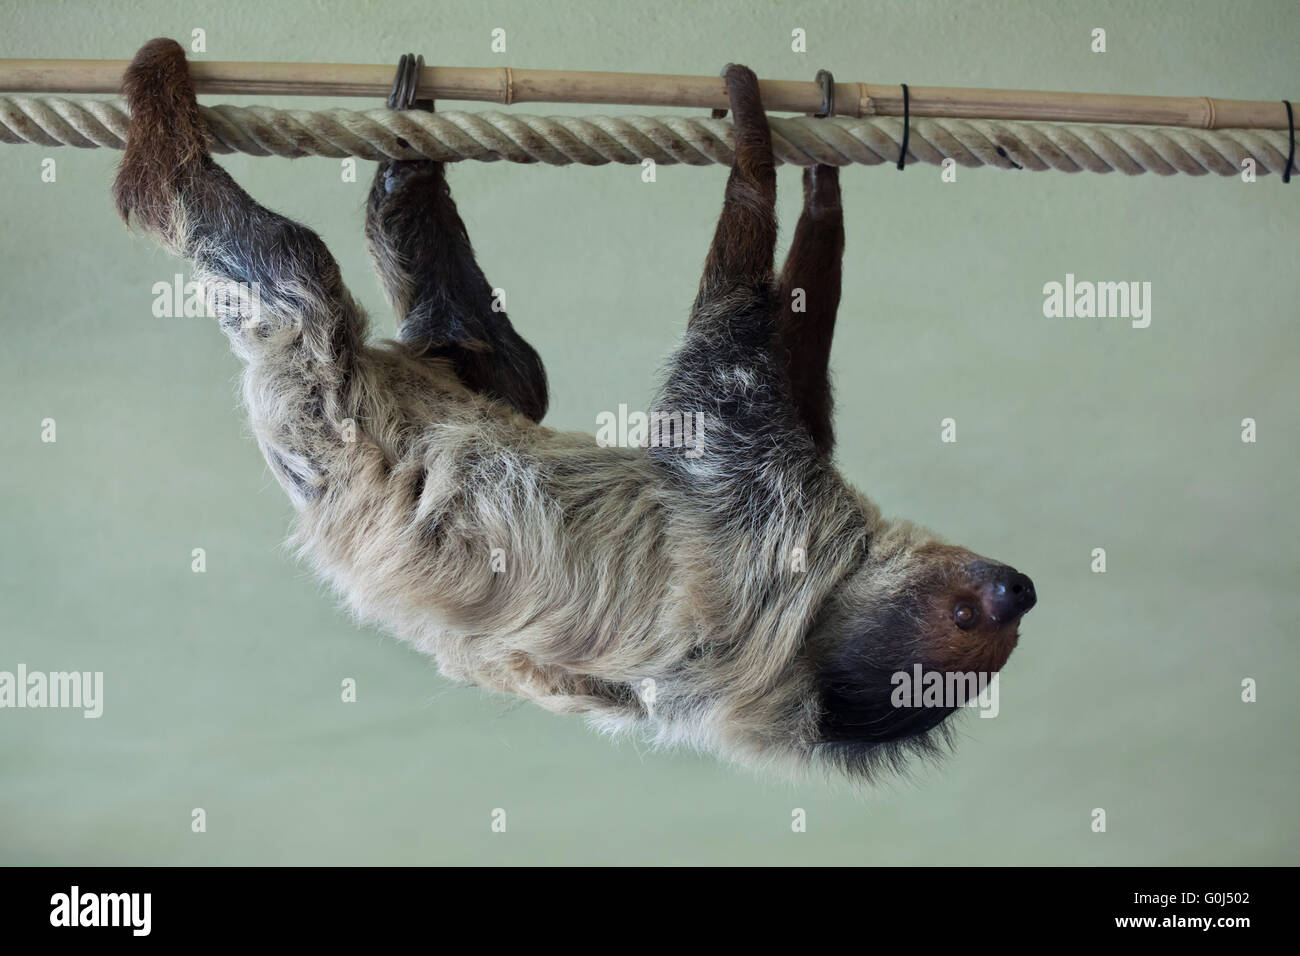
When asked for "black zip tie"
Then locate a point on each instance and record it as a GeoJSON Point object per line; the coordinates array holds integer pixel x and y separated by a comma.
{"type": "Point", "coordinates": [902, 150]}
{"type": "Point", "coordinates": [827, 83]}
{"type": "Point", "coordinates": [1290, 157]}
{"type": "Point", "coordinates": [405, 85]}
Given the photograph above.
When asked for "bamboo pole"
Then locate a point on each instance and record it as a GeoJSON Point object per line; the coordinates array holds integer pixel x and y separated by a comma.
{"type": "Point", "coordinates": [508, 86]}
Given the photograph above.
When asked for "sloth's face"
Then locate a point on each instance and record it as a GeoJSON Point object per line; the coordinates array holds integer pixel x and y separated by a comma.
{"type": "Point", "coordinates": [917, 612]}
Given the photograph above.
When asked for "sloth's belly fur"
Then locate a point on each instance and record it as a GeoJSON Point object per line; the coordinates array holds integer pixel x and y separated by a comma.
{"type": "Point", "coordinates": [520, 557]}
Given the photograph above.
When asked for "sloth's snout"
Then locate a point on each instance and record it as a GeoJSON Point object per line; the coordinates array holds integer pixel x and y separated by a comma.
{"type": "Point", "coordinates": [1007, 594]}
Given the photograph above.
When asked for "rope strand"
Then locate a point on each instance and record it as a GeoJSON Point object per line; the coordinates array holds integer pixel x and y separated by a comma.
{"type": "Point", "coordinates": [692, 140]}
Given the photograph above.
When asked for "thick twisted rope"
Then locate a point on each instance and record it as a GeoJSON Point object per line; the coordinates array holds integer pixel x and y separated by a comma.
{"type": "Point", "coordinates": [693, 140]}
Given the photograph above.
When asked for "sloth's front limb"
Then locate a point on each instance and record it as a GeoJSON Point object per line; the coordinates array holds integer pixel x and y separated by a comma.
{"type": "Point", "coordinates": [275, 287]}
{"type": "Point", "coordinates": [810, 297]}
{"type": "Point", "coordinates": [446, 307]}
{"type": "Point", "coordinates": [730, 373]}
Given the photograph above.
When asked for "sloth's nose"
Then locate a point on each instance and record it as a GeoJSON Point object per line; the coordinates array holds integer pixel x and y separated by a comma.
{"type": "Point", "coordinates": [1008, 594]}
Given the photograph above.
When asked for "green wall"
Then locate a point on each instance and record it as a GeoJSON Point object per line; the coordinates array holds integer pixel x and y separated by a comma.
{"type": "Point", "coordinates": [222, 688]}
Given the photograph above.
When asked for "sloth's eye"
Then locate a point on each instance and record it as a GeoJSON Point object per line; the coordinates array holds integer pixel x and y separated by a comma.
{"type": "Point", "coordinates": [964, 616]}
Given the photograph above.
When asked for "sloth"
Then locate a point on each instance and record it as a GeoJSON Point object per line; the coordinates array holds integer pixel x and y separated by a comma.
{"type": "Point", "coordinates": [737, 596]}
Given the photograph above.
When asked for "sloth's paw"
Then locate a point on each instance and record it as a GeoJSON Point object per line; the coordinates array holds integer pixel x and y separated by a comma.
{"type": "Point", "coordinates": [166, 139]}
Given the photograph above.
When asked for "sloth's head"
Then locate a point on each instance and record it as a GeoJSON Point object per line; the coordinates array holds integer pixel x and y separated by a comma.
{"type": "Point", "coordinates": [916, 612]}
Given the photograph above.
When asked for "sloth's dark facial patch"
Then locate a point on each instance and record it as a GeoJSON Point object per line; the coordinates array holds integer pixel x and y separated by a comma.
{"type": "Point", "coordinates": [856, 663]}
{"type": "Point", "coordinates": [955, 614]}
